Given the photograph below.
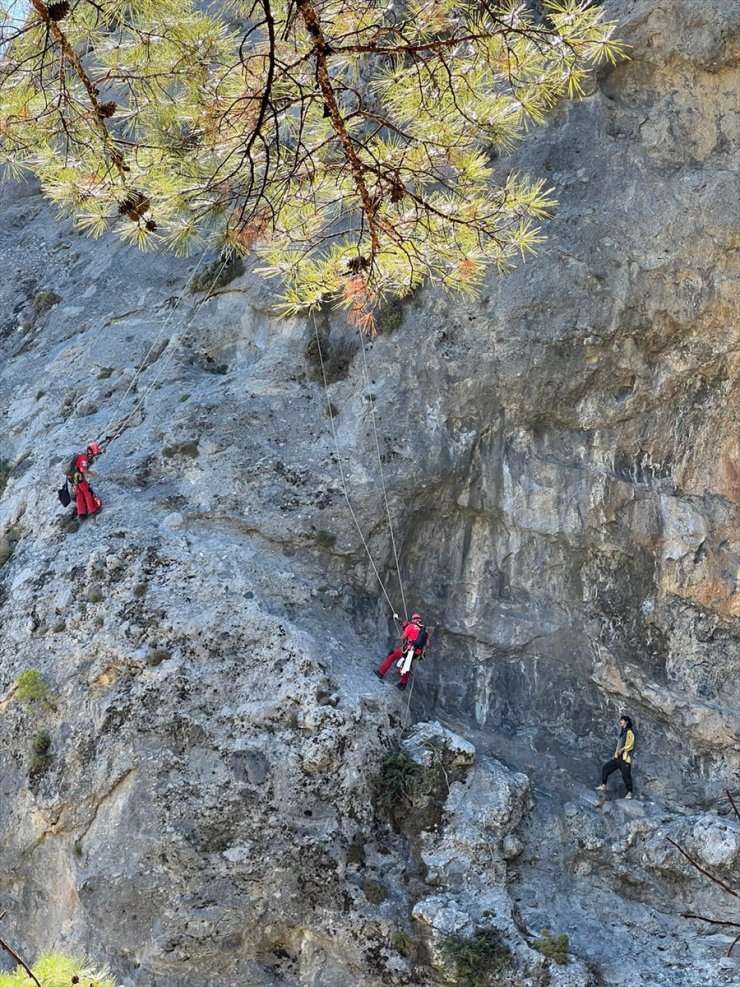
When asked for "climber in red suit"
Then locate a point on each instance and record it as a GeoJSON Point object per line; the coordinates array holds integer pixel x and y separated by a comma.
{"type": "Point", "coordinates": [87, 501]}
{"type": "Point", "coordinates": [415, 638]}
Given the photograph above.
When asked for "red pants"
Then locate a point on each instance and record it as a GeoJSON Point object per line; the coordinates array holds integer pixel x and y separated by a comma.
{"type": "Point", "coordinates": [394, 656]}
{"type": "Point", "coordinates": [87, 502]}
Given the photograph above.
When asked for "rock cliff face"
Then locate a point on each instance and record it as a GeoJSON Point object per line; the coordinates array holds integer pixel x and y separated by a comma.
{"type": "Point", "coordinates": [560, 461]}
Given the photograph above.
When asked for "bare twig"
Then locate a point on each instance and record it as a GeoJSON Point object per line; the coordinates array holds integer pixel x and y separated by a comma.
{"type": "Point", "coordinates": [12, 953]}
{"type": "Point", "coordinates": [725, 887]}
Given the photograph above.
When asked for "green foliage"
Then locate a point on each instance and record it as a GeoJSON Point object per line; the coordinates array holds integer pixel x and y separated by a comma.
{"type": "Point", "coordinates": [356, 852]}
{"type": "Point", "coordinates": [216, 368]}
{"type": "Point", "coordinates": [396, 780]}
{"type": "Point", "coordinates": [40, 756]}
{"type": "Point", "coordinates": [4, 474]}
{"type": "Point", "coordinates": [189, 449]}
{"type": "Point", "coordinates": [402, 942]}
{"type": "Point", "coordinates": [347, 143]}
{"type": "Point", "coordinates": [45, 300]}
{"type": "Point", "coordinates": [325, 539]}
{"type": "Point", "coordinates": [8, 541]}
{"type": "Point", "coordinates": [184, 398]}
{"type": "Point", "coordinates": [58, 970]}
{"type": "Point", "coordinates": [218, 274]}
{"type": "Point", "coordinates": [374, 891]}
{"type": "Point", "coordinates": [31, 687]}
{"type": "Point", "coordinates": [105, 373]}
{"type": "Point", "coordinates": [476, 958]}
{"type": "Point", "coordinates": [553, 947]}
{"type": "Point", "coordinates": [336, 357]}
{"type": "Point", "coordinates": [157, 656]}
{"type": "Point", "coordinates": [140, 590]}
{"type": "Point", "coordinates": [390, 317]}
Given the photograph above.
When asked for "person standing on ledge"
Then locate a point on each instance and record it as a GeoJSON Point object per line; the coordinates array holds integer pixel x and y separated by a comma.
{"type": "Point", "coordinates": [622, 757]}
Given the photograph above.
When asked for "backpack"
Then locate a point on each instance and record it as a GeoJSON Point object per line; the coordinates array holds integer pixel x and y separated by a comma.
{"type": "Point", "coordinates": [420, 643]}
{"type": "Point", "coordinates": [65, 498]}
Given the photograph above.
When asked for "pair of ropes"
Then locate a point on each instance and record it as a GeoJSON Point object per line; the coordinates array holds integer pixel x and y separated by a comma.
{"type": "Point", "coordinates": [110, 433]}
{"type": "Point", "coordinates": [343, 478]}
{"type": "Point", "coordinates": [172, 345]}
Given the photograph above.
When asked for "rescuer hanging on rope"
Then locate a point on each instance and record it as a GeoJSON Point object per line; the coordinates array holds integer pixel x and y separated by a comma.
{"type": "Point", "coordinates": [414, 639]}
{"type": "Point", "coordinates": [88, 502]}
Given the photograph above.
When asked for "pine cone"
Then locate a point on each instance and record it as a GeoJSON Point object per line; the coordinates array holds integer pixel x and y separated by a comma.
{"type": "Point", "coordinates": [357, 264]}
{"type": "Point", "coordinates": [398, 192]}
{"type": "Point", "coordinates": [57, 11]}
{"type": "Point", "coordinates": [107, 109]}
{"type": "Point", "coordinates": [134, 205]}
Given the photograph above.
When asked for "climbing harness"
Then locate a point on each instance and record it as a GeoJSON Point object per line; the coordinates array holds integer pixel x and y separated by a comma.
{"type": "Point", "coordinates": [342, 477]}
{"type": "Point", "coordinates": [172, 346]}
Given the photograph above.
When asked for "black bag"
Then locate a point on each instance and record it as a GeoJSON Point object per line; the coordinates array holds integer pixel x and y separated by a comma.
{"type": "Point", "coordinates": [421, 640]}
{"type": "Point", "coordinates": [64, 496]}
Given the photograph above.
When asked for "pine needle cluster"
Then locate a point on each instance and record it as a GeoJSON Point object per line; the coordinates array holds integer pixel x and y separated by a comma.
{"type": "Point", "coordinates": [58, 970]}
{"type": "Point", "coordinates": [350, 143]}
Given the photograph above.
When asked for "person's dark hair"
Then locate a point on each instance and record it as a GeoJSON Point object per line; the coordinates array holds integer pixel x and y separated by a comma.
{"type": "Point", "coordinates": [627, 720]}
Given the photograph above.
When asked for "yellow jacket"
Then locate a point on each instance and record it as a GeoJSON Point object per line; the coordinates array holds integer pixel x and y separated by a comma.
{"type": "Point", "coordinates": [625, 746]}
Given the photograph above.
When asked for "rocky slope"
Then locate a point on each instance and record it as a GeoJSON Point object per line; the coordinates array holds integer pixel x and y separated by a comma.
{"type": "Point", "coordinates": [560, 460]}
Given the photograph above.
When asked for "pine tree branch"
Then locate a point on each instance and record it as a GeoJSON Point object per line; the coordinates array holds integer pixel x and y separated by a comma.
{"type": "Point", "coordinates": [322, 50]}
{"type": "Point", "coordinates": [73, 58]}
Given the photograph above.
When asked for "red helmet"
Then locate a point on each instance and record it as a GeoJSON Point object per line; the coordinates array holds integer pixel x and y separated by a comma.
{"type": "Point", "coordinates": [415, 617]}
{"type": "Point", "coordinates": [94, 449]}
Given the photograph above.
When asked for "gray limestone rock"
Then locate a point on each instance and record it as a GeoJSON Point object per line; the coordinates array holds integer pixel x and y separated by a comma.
{"type": "Point", "coordinates": [559, 459]}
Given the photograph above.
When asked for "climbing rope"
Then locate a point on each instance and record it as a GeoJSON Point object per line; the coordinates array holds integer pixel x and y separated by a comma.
{"type": "Point", "coordinates": [380, 470]}
{"type": "Point", "coordinates": [172, 346]}
{"type": "Point", "coordinates": [342, 477]}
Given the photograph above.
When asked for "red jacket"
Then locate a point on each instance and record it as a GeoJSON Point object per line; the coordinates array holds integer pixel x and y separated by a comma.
{"type": "Point", "coordinates": [411, 634]}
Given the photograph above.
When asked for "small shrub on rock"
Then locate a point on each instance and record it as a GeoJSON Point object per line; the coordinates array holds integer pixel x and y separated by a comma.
{"type": "Point", "coordinates": [374, 891]}
{"type": "Point", "coordinates": [157, 656]}
{"type": "Point", "coordinates": [140, 590]}
{"type": "Point", "coordinates": [326, 539]}
{"type": "Point", "coordinates": [389, 317]}
{"type": "Point", "coordinates": [40, 756]}
{"type": "Point", "coordinates": [45, 300]}
{"type": "Point", "coordinates": [356, 852]}
{"type": "Point", "coordinates": [553, 947]}
{"type": "Point", "coordinates": [31, 687]}
{"type": "Point", "coordinates": [401, 942]}
{"type": "Point", "coordinates": [336, 357]}
{"type": "Point", "coordinates": [105, 373]}
{"type": "Point", "coordinates": [396, 781]}
{"type": "Point", "coordinates": [4, 474]}
{"type": "Point", "coordinates": [218, 274]}
{"type": "Point", "coordinates": [475, 959]}
{"type": "Point", "coordinates": [189, 449]}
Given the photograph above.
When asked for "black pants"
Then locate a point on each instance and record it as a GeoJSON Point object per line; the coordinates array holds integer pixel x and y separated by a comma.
{"type": "Point", "coordinates": [611, 766]}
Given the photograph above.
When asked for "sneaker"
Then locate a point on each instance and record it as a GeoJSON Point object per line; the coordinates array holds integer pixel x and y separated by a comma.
{"type": "Point", "coordinates": [378, 674]}
{"type": "Point", "coordinates": [601, 788]}
{"type": "Point", "coordinates": [629, 795]}
{"type": "Point", "coordinates": [401, 685]}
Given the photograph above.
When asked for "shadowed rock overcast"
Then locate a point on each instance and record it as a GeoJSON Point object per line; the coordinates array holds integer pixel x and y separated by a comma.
{"type": "Point", "coordinates": [561, 463]}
